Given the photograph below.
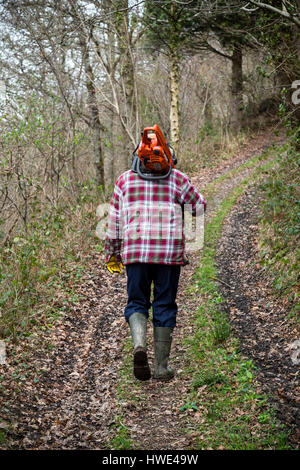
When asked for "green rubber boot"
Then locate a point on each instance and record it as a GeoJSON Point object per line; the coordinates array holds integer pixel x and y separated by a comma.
{"type": "Point", "coordinates": [162, 347]}
{"type": "Point", "coordinates": [138, 327]}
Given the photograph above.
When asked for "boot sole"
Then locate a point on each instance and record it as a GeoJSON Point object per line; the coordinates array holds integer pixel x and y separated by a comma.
{"type": "Point", "coordinates": [141, 367]}
{"type": "Point", "coordinates": [163, 378]}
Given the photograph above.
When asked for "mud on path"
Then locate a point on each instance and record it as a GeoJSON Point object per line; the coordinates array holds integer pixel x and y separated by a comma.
{"type": "Point", "coordinates": [69, 399]}
{"type": "Point", "coordinates": [259, 320]}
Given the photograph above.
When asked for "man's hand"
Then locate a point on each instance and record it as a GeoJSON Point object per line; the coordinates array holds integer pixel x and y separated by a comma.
{"type": "Point", "coordinates": [114, 266]}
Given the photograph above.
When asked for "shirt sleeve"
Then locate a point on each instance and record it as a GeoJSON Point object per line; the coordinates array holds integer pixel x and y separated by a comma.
{"type": "Point", "coordinates": [113, 239]}
{"type": "Point", "coordinates": [191, 198]}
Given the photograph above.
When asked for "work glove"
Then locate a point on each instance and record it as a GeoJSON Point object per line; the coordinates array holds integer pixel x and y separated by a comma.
{"type": "Point", "coordinates": [114, 266]}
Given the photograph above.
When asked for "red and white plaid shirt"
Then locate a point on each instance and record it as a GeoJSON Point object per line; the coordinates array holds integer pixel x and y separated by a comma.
{"type": "Point", "coordinates": [146, 217]}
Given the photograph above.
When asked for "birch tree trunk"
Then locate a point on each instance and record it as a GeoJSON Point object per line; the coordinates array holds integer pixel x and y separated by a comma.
{"type": "Point", "coordinates": [174, 90]}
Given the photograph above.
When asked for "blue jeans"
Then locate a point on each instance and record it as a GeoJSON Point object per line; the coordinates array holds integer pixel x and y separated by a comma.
{"type": "Point", "coordinates": [165, 279]}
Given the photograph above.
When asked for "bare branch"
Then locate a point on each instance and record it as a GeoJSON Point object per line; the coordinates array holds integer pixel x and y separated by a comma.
{"type": "Point", "coordinates": [283, 13]}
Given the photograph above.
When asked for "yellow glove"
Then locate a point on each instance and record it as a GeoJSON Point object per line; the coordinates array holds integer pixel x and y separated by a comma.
{"type": "Point", "coordinates": [114, 266]}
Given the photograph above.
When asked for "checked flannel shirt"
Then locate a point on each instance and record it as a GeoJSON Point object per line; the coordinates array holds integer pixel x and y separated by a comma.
{"type": "Point", "coordinates": [145, 218]}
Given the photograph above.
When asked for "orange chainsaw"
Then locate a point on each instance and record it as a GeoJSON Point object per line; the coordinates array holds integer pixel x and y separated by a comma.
{"type": "Point", "coordinates": [154, 158]}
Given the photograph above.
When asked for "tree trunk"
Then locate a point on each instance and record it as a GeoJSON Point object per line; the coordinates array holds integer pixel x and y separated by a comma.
{"type": "Point", "coordinates": [95, 122]}
{"type": "Point", "coordinates": [109, 51]}
{"type": "Point", "coordinates": [174, 111]}
{"type": "Point", "coordinates": [237, 88]}
{"type": "Point", "coordinates": [128, 104]}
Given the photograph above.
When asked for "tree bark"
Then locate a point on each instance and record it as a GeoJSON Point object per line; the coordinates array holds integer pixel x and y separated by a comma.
{"type": "Point", "coordinates": [127, 92]}
{"type": "Point", "coordinates": [174, 90]}
{"type": "Point", "coordinates": [237, 88]}
{"type": "Point", "coordinates": [95, 122]}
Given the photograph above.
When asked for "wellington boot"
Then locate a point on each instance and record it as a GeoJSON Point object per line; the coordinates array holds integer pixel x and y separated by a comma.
{"type": "Point", "coordinates": [162, 347]}
{"type": "Point", "coordinates": [138, 327]}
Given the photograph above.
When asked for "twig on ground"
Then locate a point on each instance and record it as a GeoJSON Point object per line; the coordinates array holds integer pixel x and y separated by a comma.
{"type": "Point", "coordinates": [216, 279]}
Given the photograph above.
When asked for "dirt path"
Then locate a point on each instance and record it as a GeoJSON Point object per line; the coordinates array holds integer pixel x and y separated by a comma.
{"type": "Point", "coordinates": [71, 399]}
{"type": "Point", "coordinates": [259, 319]}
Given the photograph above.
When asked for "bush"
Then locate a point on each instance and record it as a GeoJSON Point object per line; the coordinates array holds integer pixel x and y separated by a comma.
{"type": "Point", "coordinates": [280, 223]}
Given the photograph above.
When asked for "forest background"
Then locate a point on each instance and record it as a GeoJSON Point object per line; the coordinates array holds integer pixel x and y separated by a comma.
{"type": "Point", "coordinates": [80, 79]}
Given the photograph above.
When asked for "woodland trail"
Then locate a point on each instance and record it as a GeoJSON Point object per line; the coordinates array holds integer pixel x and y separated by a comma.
{"type": "Point", "coordinates": [259, 320]}
{"type": "Point", "coordinates": [79, 391]}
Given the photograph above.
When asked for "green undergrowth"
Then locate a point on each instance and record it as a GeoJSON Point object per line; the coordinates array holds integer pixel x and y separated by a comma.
{"type": "Point", "coordinates": [121, 439]}
{"type": "Point", "coordinates": [280, 225]}
{"type": "Point", "coordinates": [41, 268]}
{"type": "Point", "coordinates": [227, 411]}
{"type": "Point", "coordinates": [209, 146]}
